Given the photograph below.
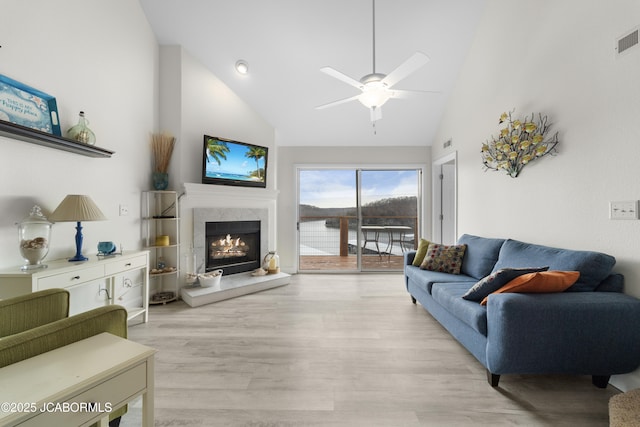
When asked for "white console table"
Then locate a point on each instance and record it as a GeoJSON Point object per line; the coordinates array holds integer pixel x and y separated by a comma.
{"type": "Point", "coordinates": [91, 283]}
{"type": "Point", "coordinates": [54, 388]}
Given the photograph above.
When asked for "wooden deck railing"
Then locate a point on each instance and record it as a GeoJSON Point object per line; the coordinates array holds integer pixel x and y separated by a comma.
{"type": "Point", "coordinates": [346, 223]}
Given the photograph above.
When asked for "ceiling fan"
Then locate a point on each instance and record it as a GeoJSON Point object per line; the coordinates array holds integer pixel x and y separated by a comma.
{"type": "Point", "coordinates": [376, 88]}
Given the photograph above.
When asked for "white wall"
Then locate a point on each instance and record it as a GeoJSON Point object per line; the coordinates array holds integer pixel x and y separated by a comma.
{"type": "Point", "coordinates": [96, 56]}
{"type": "Point", "coordinates": [557, 58]}
{"type": "Point", "coordinates": [195, 102]}
{"type": "Point", "coordinates": [291, 157]}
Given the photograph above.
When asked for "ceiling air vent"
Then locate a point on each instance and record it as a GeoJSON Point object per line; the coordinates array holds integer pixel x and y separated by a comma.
{"type": "Point", "coordinates": [627, 41]}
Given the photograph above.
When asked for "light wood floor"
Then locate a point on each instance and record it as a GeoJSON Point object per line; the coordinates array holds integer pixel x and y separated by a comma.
{"type": "Point", "coordinates": [339, 350]}
{"type": "Point", "coordinates": [330, 263]}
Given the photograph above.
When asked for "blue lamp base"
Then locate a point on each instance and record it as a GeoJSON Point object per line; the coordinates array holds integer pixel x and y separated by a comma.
{"type": "Point", "coordinates": [78, 256]}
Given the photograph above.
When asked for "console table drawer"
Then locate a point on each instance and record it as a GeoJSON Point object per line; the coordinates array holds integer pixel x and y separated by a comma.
{"type": "Point", "coordinates": [121, 265]}
{"type": "Point", "coordinates": [71, 278]}
{"type": "Point", "coordinates": [114, 391]}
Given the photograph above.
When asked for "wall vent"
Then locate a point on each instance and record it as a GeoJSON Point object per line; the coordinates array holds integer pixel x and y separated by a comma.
{"type": "Point", "coordinates": [627, 41]}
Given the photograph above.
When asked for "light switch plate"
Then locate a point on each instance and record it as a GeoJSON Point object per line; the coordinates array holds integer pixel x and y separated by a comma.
{"type": "Point", "coordinates": [623, 210]}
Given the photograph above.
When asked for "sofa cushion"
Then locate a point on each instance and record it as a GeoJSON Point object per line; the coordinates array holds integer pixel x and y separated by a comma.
{"type": "Point", "coordinates": [425, 278]}
{"type": "Point", "coordinates": [480, 256]}
{"type": "Point", "coordinates": [612, 283]}
{"type": "Point", "coordinates": [594, 267]}
{"type": "Point", "coordinates": [420, 252]}
{"type": "Point", "coordinates": [540, 282]}
{"type": "Point", "coordinates": [448, 295]}
{"type": "Point", "coordinates": [444, 258]}
{"type": "Point", "coordinates": [495, 281]}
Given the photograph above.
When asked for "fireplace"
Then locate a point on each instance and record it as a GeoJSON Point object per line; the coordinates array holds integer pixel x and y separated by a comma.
{"type": "Point", "coordinates": [232, 246]}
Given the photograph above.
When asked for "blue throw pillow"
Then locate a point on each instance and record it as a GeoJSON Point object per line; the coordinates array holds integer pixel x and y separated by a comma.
{"type": "Point", "coordinates": [480, 256]}
{"type": "Point", "coordinates": [496, 280]}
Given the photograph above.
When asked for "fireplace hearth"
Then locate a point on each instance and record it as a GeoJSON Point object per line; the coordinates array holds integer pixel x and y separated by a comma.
{"type": "Point", "coordinates": [232, 246]}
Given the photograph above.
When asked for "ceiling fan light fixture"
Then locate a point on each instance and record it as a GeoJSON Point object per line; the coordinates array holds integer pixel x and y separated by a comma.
{"type": "Point", "coordinates": [374, 96]}
{"type": "Point", "coordinates": [242, 67]}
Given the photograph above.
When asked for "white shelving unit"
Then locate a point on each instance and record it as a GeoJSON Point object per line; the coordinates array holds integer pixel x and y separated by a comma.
{"type": "Point", "coordinates": [160, 235]}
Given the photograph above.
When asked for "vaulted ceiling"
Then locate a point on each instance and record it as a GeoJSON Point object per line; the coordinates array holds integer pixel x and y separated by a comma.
{"type": "Point", "coordinates": [286, 42]}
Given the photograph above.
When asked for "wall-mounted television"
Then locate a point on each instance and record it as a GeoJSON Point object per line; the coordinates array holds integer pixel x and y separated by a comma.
{"type": "Point", "coordinates": [229, 162]}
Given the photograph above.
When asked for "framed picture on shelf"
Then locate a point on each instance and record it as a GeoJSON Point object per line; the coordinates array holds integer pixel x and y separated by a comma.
{"type": "Point", "coordinates": [29, 107]}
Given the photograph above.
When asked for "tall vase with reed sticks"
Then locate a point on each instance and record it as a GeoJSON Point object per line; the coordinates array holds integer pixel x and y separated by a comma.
{"type": "Point", "coordinates": [162, 148]}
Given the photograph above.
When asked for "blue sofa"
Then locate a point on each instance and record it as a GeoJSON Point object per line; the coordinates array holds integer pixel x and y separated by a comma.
{"type": "Point", "coordinates": [592, 328]}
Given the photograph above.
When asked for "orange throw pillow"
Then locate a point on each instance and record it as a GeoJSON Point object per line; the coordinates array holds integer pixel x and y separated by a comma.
{"type": "Point", "coordinates": [539, 282]}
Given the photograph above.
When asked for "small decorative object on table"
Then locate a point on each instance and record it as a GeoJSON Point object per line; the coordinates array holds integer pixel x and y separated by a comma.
{"type": "Point", "coordinates": [271, 262]}
{"type": "Point", "coordinates": [519, 143]}
{"type": "Point", "coordinates": [81, 131]}
{"type": "Point", "coordinates": [107, 250]}
{"type": "Point", "coordinates": [162, 148]}
{"type": "Point", "coordinates": [34, 233]}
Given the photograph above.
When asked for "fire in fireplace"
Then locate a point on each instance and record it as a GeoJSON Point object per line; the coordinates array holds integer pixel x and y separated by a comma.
{"type": "Point", "coordinates": [233, 246]}
{"type": "Point", "coordinates": [229, 248]}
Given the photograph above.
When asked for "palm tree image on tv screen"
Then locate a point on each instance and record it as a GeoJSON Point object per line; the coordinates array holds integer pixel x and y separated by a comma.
{"type": "Point", "coordinates": [234, 162]}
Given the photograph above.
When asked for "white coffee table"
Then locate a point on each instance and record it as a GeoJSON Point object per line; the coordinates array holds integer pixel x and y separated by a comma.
{"type": "Point", "coordinates": [78, 384]}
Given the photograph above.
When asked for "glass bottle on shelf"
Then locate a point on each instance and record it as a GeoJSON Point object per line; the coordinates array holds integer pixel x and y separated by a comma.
{"type": "Point", "coordinates": [81, 131]}
{"type": "Point", "coordinates": [34, 232]}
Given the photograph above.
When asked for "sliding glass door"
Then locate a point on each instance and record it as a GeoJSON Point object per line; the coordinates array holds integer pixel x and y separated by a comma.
{"type": "Point", "coordinates": [353, 220]}
{"type": "Point", "coordinates": [388, 217]}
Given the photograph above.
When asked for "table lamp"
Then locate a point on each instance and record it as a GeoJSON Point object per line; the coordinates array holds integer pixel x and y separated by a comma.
{"type": "Point", "coordinates": [77, 208]}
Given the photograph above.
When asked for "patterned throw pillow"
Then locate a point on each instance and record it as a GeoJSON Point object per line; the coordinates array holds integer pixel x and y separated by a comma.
{"type": "Point", "coordinates": [495, 281]}
{"type": "Point", "coordinates": [444, 258]}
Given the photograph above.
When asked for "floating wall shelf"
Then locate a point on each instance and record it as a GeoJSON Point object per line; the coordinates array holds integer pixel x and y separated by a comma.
{"type": "Point", "coordinates": [12, 130]}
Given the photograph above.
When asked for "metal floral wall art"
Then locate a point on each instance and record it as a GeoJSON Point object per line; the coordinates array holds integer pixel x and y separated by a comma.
{"type": "Point", "coordinates": [519, 143]}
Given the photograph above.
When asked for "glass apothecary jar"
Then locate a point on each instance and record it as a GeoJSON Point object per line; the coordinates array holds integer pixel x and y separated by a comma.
{"type": "Point", "coordinates": [34, 233]}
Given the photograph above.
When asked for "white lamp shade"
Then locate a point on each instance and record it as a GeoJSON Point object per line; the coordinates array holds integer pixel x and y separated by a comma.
{"type": "Point", "coordinates": [76, 207]}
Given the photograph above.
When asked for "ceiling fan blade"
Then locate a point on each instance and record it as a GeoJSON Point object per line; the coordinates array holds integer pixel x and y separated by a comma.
{"type": "Point", "coordinates": [396, 93]}
{"type": "Point", "coordinates": [340, 76]}
{"type": "Point", "coordinates": [338, 102]}
{"type": "Point", "coordinates": [414, 62]}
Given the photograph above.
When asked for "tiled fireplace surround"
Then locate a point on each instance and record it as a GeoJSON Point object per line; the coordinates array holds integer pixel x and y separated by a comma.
{"type": "Point", "coordinates": [203, 203]}
{"type": "Point", "coordinates": [203, 215]}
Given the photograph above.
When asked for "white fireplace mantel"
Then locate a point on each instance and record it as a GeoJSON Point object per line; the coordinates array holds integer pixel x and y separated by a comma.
{"type": "Point", "coordinates": [229, 192]}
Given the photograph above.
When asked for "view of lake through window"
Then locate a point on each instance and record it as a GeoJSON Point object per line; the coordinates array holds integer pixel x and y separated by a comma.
{"type": "Point", "coordinates": [356, 219]}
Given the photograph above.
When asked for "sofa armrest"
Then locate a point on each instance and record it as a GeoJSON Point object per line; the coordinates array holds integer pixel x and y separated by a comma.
{"type": "Point", "coordinates": [587, 333]}
{"type": "Point", "coordinates": [29, 311]}
{"type": "Point", "coordinates": [21, 346]}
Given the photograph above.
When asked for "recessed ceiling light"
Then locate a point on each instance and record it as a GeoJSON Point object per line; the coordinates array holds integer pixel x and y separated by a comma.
{"type": "Point", "coordinates": [242, 67]}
